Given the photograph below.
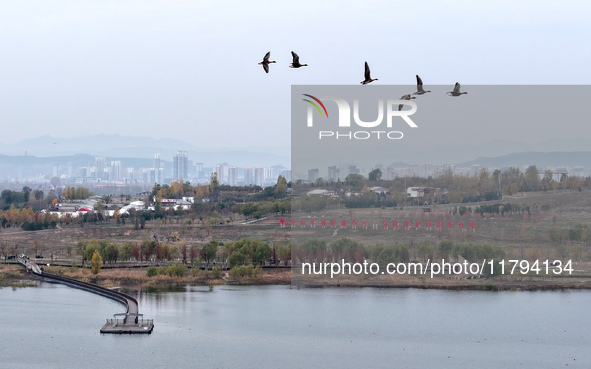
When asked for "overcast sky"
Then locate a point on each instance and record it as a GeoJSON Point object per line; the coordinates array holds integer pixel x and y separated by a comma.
{"type": "Point", "coordinates": [188, 69]}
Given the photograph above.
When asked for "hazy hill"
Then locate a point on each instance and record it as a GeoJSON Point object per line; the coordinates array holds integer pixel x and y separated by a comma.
{"type": "Point", "coordinates": [43, 153]}
{"type": "Point", "coordinates": [541, 159]}
{"type": "Point", "coordinates": [117, 147]}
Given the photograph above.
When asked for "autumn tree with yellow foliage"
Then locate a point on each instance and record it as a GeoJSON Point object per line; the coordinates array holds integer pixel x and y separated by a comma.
{"type": "Point", "coordinates": [96, 263]}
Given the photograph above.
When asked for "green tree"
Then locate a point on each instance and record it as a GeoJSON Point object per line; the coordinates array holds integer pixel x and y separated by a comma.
{"type": "Point", "coordinates": [285, 253]}
{"type": "Point", "coordinates": [343, 248]}
{"type": "Point", "coordinates": [425, 250]}
{"type": "Point", "coordinates": [126, 251]}
{"type": "Point", "coordinates": [497, 180]}
{"type": "Point", "coordinates": [96, 263]}
{"type": "Point", "coordinates": [511, 189]}
{"type": "Point", "coordinates": [261, 252]}
{"type": "Point", "coordinates": [90, 247]}
{"type": "Point", "coordinates": [237, 258]}
{"type": "Point", "coordinates": [355, 180]}
{"type": "Point", "coordinates": [248, 251]}
{"type": "Point", "coordinates": [444, 248]}
{"type": "Point", "coordinates": [401, 254]}
{"type": "Point", "coordinates": [214, 183]}
{"type": "Point", "coordinates": [281, 190]}
{"type": "Point", "coordinates": [375, 175]}
{"type": "Point", "coordinates": [38, 194]}
{"type": "Point", "coordinates": [210, 250]}
{"type": "Point", "coordinates": [532, 178]}
{"type": "Point", "coordinates": [548, 175]}
{"type": "Point", "coordinates": [26, 193]}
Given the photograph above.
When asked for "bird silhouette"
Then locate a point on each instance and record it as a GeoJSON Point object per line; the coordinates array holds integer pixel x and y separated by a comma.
{"type": "Point", "coordinates": [405, 97]}
{"type": "Point", "coordinates": [456, 91]}
{"type": "Point", "coordinates": [368, 78]}
{"type": "Point", "coordinates": [420, 90]}
{"type": "Point", "coordinates": [265, 63]}
{"type": "Point", "coordinates": [296, 61]}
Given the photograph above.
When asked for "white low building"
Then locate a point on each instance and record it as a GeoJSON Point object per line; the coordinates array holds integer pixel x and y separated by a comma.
{"type": "Point", "coordinates": [378, 189]}
{"type": "Point", "coordinates": [320, 192]}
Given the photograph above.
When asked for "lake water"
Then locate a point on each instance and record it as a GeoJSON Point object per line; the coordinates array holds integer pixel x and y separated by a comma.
{"type": "Point", "coordinates": [54, 326]}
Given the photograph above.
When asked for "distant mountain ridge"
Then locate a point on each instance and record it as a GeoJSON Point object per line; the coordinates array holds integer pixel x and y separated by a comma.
{"type": "Point", "coordinates": [139, 152]}
{"type": "Point", "coordinates": [540, 159]}
{"type": "Point", "coordinates": [118, 147]}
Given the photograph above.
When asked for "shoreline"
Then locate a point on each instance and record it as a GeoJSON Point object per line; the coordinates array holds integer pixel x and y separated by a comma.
{"type": "Point", "coordinates": [17, 277]}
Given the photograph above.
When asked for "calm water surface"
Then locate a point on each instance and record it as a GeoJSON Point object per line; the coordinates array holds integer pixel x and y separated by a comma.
{"type": "Point", "coordinates": [54, 326]}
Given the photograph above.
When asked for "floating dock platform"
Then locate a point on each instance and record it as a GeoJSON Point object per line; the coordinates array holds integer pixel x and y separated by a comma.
{"type": "Point", "coordinates": [129, 324]}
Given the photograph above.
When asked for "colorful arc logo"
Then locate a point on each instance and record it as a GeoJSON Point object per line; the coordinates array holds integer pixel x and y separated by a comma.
{"type": "Point", "coordinates": [316, 106]}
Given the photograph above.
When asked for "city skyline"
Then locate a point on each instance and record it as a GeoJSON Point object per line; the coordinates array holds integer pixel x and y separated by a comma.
{"type": "Point", "coordinates": [180, 168]}
{"type": "Point", "coordinates": [113, 171]}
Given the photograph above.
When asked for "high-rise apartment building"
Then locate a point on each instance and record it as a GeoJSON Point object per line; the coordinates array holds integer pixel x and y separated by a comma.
{"type": "Point", "coordinates": [259, 176]}
{"type": "Point", "coordinates": [248, 176]}
{"type": "Point", "coordinates": [232, 176]}
{"type": "Point", "coordinates": [180, 166]}
{"type": "Point", "coordinates": [158, 170]}
{"type": "Point", "coordinates": [116, 171]}
{"type": "Point", "coordinates": [100, 167]}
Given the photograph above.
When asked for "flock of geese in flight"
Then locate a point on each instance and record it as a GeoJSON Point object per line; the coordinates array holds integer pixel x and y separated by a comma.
{"type": "Point", "coordinates": [420, 90]}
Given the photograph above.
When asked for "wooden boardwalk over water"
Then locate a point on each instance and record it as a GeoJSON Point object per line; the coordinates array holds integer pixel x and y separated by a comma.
{"type": "Point", "coordinates": [129, 322]}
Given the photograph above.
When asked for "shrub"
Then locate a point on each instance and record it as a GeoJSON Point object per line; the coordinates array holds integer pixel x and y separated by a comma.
{"type": "Point", "coordinates": [216, 272]}
{"type": "Point", "coordinates": [241, 271]}
{"type": "Point", "coordinates": [152, 271]}
{"type": "Point", "coordinates": [177, 270]}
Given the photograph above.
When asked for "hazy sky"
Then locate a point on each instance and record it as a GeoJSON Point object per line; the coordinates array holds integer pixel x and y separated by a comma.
{"type": "Point", "coordinates": [188, 69]}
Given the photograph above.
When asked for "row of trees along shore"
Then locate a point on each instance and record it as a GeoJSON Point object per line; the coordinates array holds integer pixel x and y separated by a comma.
{"type": "Point", "coordinates": [258, 253]}
{"type": "Point", "coordinates": [245, 257]}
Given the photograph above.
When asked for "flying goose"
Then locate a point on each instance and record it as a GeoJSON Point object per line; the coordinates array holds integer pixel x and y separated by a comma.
{"type": "Point", "coordinates": [368, 78]}
{"type": "Point", "coordinates": [456, 91]}
{"type": "Point", "coordinates": [296, 61]}
{"type": "Point", "coordinates": [265, 63]}
{"type": "Point", "coordinates": [405, 97]}
{"type": "Point", "coordinates": [420, 90]}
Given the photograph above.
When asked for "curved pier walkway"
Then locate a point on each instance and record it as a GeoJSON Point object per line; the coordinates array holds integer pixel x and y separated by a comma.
{"type": "Point", "coordinates": [129, 322]}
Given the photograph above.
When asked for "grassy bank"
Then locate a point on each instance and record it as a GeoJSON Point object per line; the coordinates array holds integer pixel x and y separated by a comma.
{"type": "Point", "coordinates": [15, 276]}
{"type": "Point", "coordinates": [138, 278]}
